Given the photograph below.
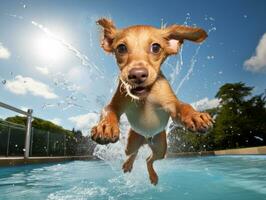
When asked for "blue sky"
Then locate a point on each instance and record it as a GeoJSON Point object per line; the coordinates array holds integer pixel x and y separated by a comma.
{"type": "Point", "coordinates": [49, 52]}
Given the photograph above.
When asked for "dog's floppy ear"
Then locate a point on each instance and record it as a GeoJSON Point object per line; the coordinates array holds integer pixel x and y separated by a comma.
{"type": "Point", "coordinates": [109, 32]}
{"type": "Point", "coordinates": [176, 34]}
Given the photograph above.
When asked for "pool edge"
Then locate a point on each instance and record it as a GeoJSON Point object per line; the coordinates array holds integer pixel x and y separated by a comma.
{"type": "Point", "coordinates": [14, 161]}
{"type": "Point", "coordinates": [240, 151]}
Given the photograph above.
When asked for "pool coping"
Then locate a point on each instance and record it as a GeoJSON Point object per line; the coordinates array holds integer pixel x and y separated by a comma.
{"type": "Point", "coordinates": [13, 161]}
{"type": "Point", "coordinates": [261, 150]}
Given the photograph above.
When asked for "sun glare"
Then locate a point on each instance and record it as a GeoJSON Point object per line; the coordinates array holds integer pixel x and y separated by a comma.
{"type": "Point", "coordinates": [49, 49]}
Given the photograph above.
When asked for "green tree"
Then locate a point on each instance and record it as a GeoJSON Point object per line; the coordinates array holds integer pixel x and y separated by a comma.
{"type": "Point", "coordinates": [39, 124]}
{"type": "Point", "coordinates": [238, 123]}
{"type": "Point", "coordinates": [254, 112]}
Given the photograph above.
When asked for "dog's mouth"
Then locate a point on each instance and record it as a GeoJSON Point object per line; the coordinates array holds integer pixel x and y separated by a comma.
{"type": "Point", "coordinates": [135, 92]}
{"type": "Point", "coordinates": [139, 90]}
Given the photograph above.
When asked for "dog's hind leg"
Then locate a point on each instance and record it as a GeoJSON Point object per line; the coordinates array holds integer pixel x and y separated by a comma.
{"type": "Point", "coordinates": [134, 142]}
{"type": "Point", "coordinates": [158, 146]}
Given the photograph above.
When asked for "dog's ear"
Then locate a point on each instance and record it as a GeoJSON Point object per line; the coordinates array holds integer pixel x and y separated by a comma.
{"type": "Point", "coordinates": [176, 34]}
{"type": "Point", "coordinates": [109, 32]}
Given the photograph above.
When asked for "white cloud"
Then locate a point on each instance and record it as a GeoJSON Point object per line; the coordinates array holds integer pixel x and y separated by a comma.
{"type": "Point", "coordinates": [24, 85]}
{"type": "Point", "coordinates": [85, 122]}
{"type": "Point", "coordinates": [43, 70]}
{"type": "Point", "coordinates": [257, 63]}
{"type": "Point", "coordinates": [4, 52]}
{"type": "Point", "coordinates": [205, 104]}
{"type": "Point", "coordinates": [56, 121]}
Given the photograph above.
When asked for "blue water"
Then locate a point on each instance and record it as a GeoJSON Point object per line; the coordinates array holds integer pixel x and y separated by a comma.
{"type": "Point", "coordinates": [207, 178]}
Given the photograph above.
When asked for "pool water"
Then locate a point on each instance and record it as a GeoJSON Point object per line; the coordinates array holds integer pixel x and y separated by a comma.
{"type": "Point", "coordinates": [208, 178]}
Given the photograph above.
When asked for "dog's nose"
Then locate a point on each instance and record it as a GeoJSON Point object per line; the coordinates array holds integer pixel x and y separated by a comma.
{"type": "Point", "coordinates": [138, 75]}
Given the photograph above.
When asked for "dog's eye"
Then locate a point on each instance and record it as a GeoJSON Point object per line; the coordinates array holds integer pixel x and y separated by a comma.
{"type": "Point", "coordinates": [155, 48]}
{"type": "Point", "coordinates": [121, 49]}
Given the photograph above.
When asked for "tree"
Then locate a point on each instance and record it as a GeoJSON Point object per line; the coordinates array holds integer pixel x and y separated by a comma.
{"type": "Point", "coordinates": [39, 124]}
{"type": "Point", "coordinates": [238, 123]}
{"type": "Point", "coordinates": [234, 93]}
{"type": "Point", "coordinates": [254, 112]}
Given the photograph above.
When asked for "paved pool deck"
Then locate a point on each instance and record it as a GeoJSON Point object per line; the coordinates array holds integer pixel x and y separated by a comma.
{"type": "Point", "coordinates": [13, 161]}
{"type": "Point", "coordinates": [241, 151]}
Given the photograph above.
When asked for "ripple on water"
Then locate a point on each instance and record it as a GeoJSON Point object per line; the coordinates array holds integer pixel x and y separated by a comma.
{"type": "Point", "coordinates": [187, 178]}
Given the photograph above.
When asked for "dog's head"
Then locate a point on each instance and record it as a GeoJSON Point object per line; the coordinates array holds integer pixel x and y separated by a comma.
{"type": "Point", "coordinates": [140, 50]}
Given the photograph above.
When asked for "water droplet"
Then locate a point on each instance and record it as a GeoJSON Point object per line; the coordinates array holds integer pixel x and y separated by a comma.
{"type": "Point", "coordinates": [210, 57]}
{"type": "Point", "coordinates": [258, 138]}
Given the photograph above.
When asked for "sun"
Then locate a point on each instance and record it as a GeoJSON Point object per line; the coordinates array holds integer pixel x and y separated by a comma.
{"type": "Point", "coordinates": [49, 49]}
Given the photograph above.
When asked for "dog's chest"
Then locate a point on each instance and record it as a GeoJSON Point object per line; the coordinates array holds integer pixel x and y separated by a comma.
{"type": "Point", "coordinates": [146, 118]}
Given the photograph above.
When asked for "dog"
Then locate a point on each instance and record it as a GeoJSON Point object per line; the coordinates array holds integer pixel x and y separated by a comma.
{"type": "Point", "coordinates": [143, 93]}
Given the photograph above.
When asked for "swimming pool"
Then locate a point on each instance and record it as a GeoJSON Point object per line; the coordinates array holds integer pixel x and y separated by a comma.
{"type": "Point", "coordinates": [208, 178]}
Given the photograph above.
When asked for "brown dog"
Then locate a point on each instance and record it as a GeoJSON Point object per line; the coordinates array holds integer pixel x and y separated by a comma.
{"type": "Point", "coordinates": [144, 94]}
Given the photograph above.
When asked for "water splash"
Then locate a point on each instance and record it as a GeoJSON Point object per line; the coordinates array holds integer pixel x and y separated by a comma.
{"type": "Point", "coordinates": [15, 16]}
{"type": "Point", "coordinates": [187, 19]}
{"type": "Point", "coordinates": [193, 61]}
{"type": "Point", "coordinates": [114, 154]}
{"type": "Point", "coordinates": [176, 68]}
{"type": "Point", "coordinates": [163, 25]}
{"type": "Point", "coordinates": [179, 63]}
{"type": "Point", "coordinates": [78, 100]}
{"type": "Point", "coordinates": [85, 61]}
{"type": "Point", "coordinates": [74, 98]}
{"type": "Point", "coordinates": [258, 138]}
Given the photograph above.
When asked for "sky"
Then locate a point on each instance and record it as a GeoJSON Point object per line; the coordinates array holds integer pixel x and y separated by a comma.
{"type": "Point", "coordinates": [51, 60]}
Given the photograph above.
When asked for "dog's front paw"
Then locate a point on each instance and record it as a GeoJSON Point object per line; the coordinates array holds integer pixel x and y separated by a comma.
{"type": "Point", "coordinates": [105, 132]}
{"type": "Point", "coordinates": [197, 121]}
